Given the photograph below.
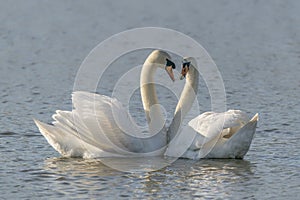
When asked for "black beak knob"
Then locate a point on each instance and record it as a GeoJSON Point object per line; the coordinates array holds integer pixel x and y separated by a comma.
{"type": "Point", "coordinates": [170, 63]}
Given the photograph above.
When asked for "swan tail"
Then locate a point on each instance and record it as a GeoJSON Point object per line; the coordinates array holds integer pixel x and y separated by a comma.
{"type": "Point", "coordinates": [255, 118]}
{"type": "Point", "coordinates": [66, 145]}
{"type": "Point", "coordinates": [243, 138]}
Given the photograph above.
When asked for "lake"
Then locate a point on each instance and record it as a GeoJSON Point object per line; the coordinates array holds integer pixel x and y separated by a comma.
{"type": "Point", "coordinates": [255, 44]}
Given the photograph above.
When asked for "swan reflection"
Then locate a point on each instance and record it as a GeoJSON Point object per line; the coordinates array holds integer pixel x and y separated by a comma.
{"type": "Point", "coordinates": [185, 178]}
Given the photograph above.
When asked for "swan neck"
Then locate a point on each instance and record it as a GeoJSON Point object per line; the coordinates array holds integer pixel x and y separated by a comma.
{"type": "Point", "coordinates": [189, 93]}
{"type": "Point", "coordinates": [151, 106]}
{"type": "Point", "coordinates": [185, 102]}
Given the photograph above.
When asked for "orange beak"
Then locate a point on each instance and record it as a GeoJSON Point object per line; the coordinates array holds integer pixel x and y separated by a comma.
{"type": "Point", "coordinates": [169, 70]}
{"type": "Point", "coordinates": [184, 71]}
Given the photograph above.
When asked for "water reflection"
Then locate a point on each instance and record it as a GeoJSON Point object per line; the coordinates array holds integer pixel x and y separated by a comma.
{"type": "Point", "coordinates": [77, 166]}
{"type": "Point", "coordinates": [184, 178]}
{"type": "Point", "coordinates": [217, 177]}
{"type": "Point", "coordinates": [191, 168]}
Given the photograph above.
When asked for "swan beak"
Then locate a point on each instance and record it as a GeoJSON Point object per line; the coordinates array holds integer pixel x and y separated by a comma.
{"type": "Point", "coordinates": [169, 70]}
{"type": "Point", "coordinates": [185, 69]}
{"type": "Point", "coordinates": [183, 73]}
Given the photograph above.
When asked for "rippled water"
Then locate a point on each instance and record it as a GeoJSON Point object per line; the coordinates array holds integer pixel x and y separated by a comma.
{"type": "Point", "coordinates": [256, 45]}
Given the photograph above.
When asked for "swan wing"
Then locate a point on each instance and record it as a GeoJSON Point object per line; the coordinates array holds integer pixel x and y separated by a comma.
{"type": "Point", "coordinates": [210, 126]}
{"type": "Point", "coordinates": [107, 121]}
{"type": "Point", "coordinates": [68, 144]}
{"type": "Point", "coordinates": [98, 125]}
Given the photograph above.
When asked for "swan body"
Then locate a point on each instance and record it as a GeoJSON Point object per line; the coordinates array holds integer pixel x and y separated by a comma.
{"type": "Point", "coordinates": [209, 135]}
{"type": "Point", "coordinates": [99, 126]}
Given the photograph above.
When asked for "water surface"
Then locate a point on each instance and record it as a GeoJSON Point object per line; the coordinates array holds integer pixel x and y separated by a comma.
{"type": "Point", "coordinates": [256, 45]}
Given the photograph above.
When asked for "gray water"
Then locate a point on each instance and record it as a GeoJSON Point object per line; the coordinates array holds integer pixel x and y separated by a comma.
{"type": "Point", "coordinates": [255, 44]}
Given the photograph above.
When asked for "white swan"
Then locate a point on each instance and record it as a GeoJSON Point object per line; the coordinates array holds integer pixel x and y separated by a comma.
{"type": "Point", "coordinates": [99, 126]}
{"type": "Point", "coordinates": [210, 135]}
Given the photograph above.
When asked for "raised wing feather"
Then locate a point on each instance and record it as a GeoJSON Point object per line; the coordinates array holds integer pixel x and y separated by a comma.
{"type": "Point", "coordinates": [98, 126]}
{"type": "Point", "coordinates": [211, 126]}
{"type": "Point", "coordinates": [106, 120]}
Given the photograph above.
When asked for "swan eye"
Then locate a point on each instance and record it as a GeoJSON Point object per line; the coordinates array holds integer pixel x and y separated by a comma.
{"type": "Point", "coordinates": [170, 63]}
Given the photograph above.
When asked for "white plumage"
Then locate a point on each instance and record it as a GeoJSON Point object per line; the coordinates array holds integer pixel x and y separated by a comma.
{"type": "Point", "coordinates": [209, 135]}
{"type": "Point", "coordinates": [99, 126]}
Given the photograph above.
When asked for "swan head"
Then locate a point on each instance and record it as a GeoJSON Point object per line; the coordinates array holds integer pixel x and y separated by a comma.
{"type": "Point", "coordinates": [162, 59]}
{"type": "Point", "coordinates": [189, 65]}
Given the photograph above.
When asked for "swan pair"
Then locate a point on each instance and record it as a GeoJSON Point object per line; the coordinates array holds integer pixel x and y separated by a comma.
{"type": "Point", "coordinates": [99, 126]}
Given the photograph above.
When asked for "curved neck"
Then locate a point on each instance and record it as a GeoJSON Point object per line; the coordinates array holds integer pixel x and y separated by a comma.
{"type": "Point", "coordinates": [151, 106]}
{"type": "Point", "coordinates": [185, 102]}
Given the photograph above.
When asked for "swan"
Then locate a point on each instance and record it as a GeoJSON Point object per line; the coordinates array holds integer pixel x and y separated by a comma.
{"type": "Point", "coordinates": [100, 126]}
{"type": "Point", "coordinates": [209, 135]}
